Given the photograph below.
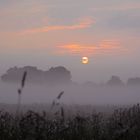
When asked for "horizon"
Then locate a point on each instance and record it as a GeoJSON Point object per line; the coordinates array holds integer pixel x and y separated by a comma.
{"type": "Point", "coordinates": [31, 70]}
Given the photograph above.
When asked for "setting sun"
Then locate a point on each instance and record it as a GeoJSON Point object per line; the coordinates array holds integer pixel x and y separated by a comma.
{"type": "Point", "coordinates": [85, 60]}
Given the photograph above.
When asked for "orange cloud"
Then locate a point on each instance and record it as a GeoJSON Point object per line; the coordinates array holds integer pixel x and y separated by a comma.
{"type": "Point", "coordinates": [104, 47]}
{"type": "Point", "coordinates": [85, 23]}
{"type": "Point", "coordinates": [76, 49]}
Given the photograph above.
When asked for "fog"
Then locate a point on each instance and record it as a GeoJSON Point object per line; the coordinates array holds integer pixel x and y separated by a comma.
{"type": "Point", "coordinates": [73, 94]}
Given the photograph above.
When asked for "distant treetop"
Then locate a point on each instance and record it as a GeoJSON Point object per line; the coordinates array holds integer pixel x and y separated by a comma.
{"type": "Point", "coordinates": [133, 81]}
{"type": "Point", "coordinates": [115, 81]}
{"type": "Point", "coordinates": [55, 75]}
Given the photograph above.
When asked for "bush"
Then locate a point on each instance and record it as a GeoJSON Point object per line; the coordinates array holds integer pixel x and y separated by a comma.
{"type": "Point", "coordinates": [122, 124]}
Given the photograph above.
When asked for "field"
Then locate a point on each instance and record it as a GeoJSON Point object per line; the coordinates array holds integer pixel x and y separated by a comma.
{"type": "Point", "coordinates": [60, 121]}
{"type": "Point", "coordinates": [120, 124]}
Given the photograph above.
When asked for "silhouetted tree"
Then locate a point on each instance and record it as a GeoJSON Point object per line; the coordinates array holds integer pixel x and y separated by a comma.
{"type": "Point", "coordinates": [15, 74]}
{"type": "Point", "coordinates": [133, 81]}
{"type": "Point", "coordinates": [115, 81]}
{"type": "Point", "coordinates": [58, 75]}
{"type": "Point", "coordinates": [55, 75]}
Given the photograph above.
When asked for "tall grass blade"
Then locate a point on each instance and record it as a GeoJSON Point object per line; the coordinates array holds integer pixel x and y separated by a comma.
{"type": "Point", "coordinates": [23, 79]}
{"type": "Point", "coordinates": [20, 92]}
{"type": "Point", "coordinates": [60, 95]}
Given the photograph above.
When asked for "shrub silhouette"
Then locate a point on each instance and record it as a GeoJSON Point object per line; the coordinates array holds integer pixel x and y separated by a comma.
{"type": "Point", "coordinates": [122, 124]}
{"type": "Point", "coordinates": [115, 81]}
{"type": "Point", "coordinates": [53, 76]}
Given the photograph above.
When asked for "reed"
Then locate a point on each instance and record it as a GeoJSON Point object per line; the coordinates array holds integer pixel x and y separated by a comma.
{"type": "Point", "coordinates": [20, 90]}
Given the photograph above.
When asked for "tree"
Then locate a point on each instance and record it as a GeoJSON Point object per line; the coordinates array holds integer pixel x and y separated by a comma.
{"type": "Point", "coordinates": [133, 81]}
{"type": "Point", "coordinates": [115, 81]}
{"type": "Point", "coordinates": [58, 75]}
{"type": "Point", "coordinates": [54, 76]}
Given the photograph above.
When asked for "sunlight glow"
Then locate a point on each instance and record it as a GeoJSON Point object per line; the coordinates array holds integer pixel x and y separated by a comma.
{"type": "Point", "coordinates": [85, 60]}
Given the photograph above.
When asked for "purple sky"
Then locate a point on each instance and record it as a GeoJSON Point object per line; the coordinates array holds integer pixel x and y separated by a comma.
{"type": "Point", "coordinates": [60, 32]}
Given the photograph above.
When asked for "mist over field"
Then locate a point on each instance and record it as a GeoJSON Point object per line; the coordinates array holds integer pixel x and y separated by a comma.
{"type": "Point", "coordinates": [69, 70]}
{"type": "Point", "coordinates": [73, 94]}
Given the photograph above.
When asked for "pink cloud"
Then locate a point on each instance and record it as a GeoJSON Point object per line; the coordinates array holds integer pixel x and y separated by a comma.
{"type": "Point", "coordinates": [103, 47]}
{"type": "Point", "coordinates": [84, 23]}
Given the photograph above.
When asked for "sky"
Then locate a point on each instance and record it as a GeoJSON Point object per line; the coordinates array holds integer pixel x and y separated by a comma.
{"type": "Point", "coordinates": [46, 33]}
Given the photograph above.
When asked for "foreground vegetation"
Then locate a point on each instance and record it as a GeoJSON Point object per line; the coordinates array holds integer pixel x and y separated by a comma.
{"type": "Point", "coordinates": [122, 124]}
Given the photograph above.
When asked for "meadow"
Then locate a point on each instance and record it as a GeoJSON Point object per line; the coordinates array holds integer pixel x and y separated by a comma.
{"type": "Point", "coordinates": [120, 124]}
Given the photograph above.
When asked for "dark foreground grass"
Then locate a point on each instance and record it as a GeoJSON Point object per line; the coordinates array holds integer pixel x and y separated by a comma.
{"type": "Point", "coordinates": [122, 124]}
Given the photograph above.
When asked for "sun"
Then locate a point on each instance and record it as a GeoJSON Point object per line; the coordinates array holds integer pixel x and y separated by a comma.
{"type": "Point", "coordinates": [85, 60]}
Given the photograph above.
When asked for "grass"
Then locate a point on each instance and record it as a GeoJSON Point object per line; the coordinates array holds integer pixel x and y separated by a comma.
{"type": "Point", "coordinates": [20, 90]}
{"type": "Point", "coordinates": [122, 124]}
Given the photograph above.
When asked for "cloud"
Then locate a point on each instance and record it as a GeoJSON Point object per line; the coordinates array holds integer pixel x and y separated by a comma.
{"type": "Point", "coordinates": [84, 23]}
{"type": "Point", "coordinates": [20, 15]}
{"type": "Point", "coordinates": [103, 47]}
